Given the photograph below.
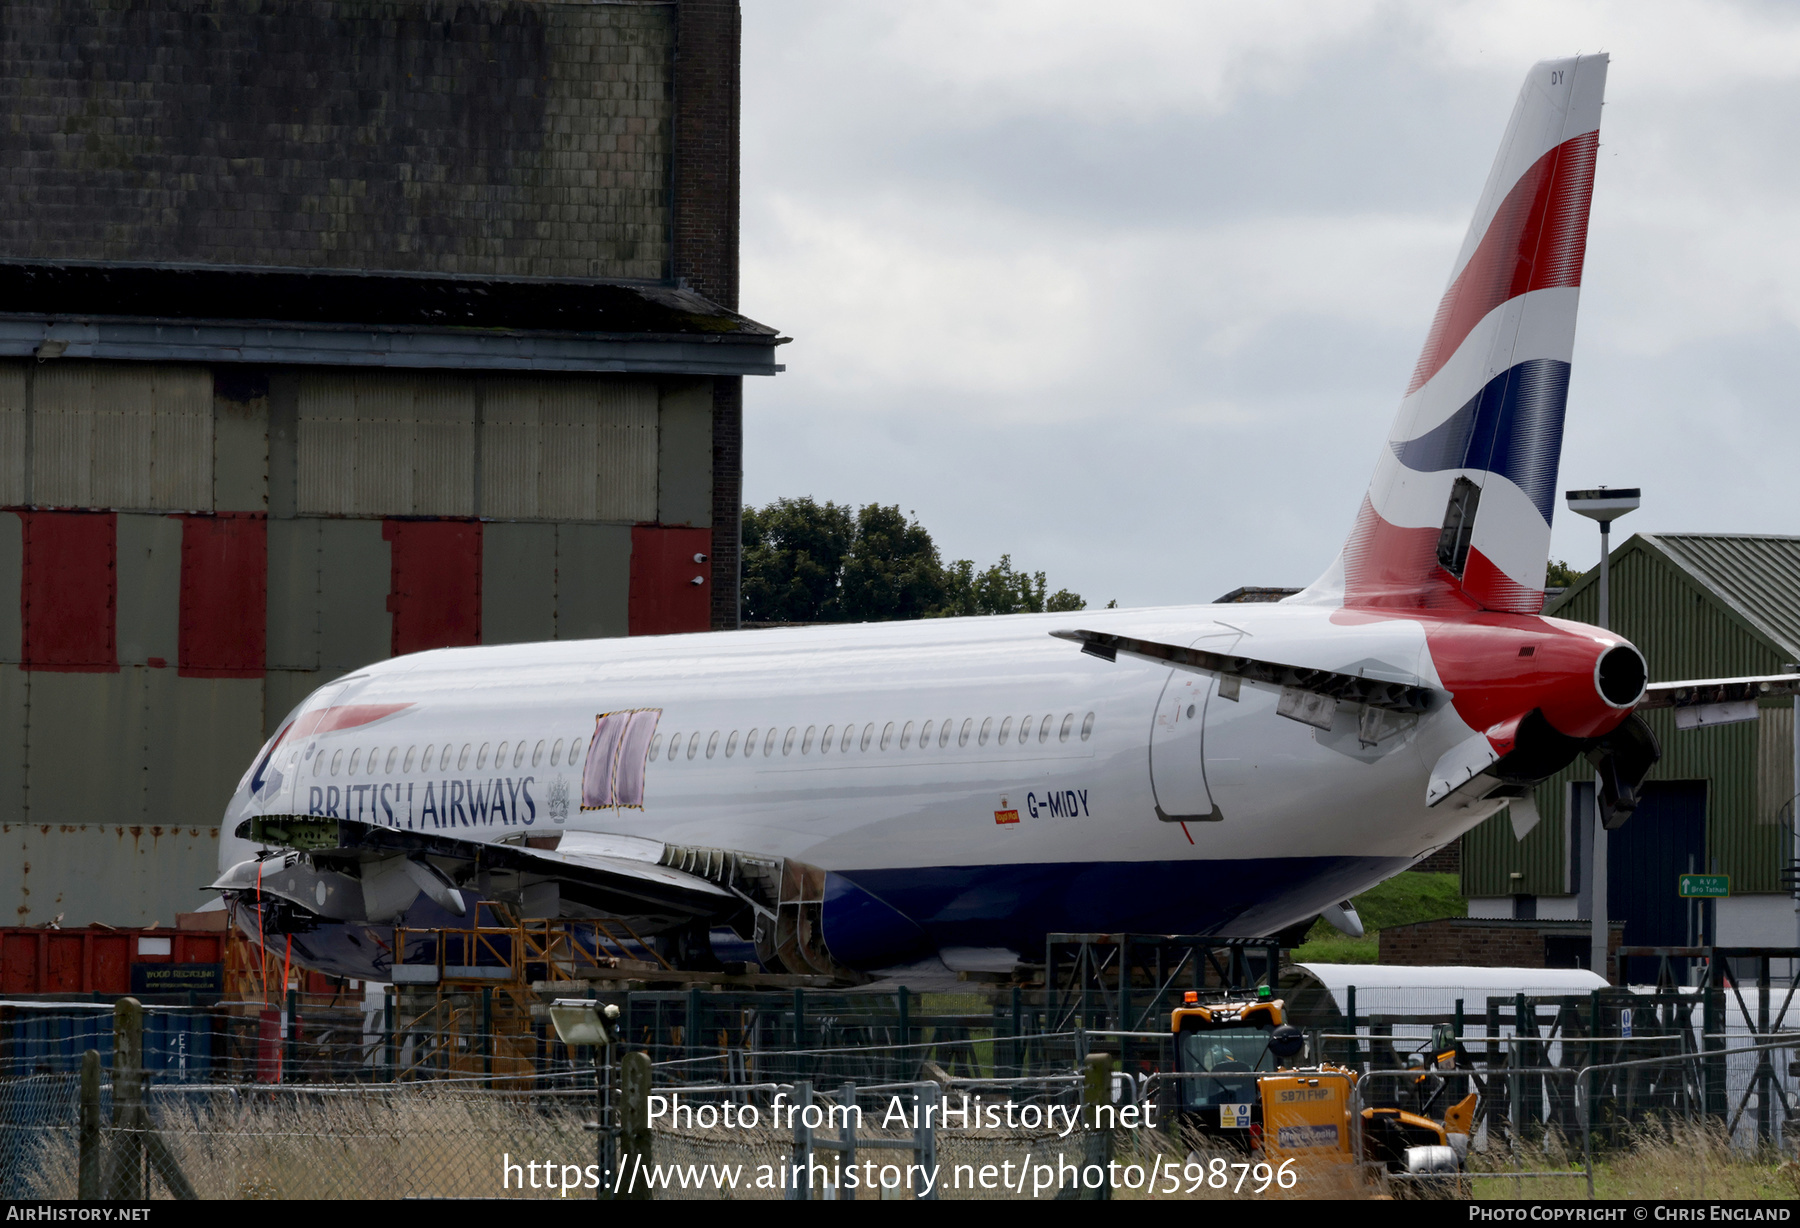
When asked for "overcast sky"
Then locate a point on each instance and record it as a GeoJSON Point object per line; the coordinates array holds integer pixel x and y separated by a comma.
{"type": "Point", "coordinates": [1132, 291]}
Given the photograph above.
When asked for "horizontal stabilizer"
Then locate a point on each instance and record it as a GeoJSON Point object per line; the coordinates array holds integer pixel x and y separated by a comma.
{"type": "Point", "coordinates": [1411, 697]}
{"type": "Point", "coordinates": [1708, 691]}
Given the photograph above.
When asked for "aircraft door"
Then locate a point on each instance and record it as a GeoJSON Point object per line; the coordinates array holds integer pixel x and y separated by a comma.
{"type": "Point", "coordinates": [1177, 762]}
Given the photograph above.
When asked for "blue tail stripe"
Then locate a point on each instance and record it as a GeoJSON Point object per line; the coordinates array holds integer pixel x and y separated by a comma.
{"type": "Point", "coordinates": [1512, 427]}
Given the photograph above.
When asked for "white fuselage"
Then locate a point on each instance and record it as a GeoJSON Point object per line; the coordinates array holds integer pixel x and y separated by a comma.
{"type": "Point", "coordinates": [938, 730]}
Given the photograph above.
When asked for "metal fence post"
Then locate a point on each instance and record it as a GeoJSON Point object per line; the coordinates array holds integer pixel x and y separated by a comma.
{"type": "Point", "coordinates": [926, 1104]}
{"type": "Point", "coordinates": [847, 1139]}
{"type": "Point", "coordinates": [634, 1126]}
{"type": "Point", "coordinates": [802, 1163]}
{"type": "Point", "coordinates": [387, 1027]}
{"type": "Point", "coordinates": [88, 1163]}
{"type": "Point", "coordinates": [291, 1049]}
{"type": "Point", "coordinates": [907, 1066]}
{"type": "Point", "coordinates": [487, 1034]}
{"type": "Point", "coordinates": [1018, 1010]}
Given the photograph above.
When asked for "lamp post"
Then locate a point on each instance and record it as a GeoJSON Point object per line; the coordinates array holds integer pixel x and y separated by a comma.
{"type": "Point", "coordinates": [1605, 506]}
{"type": "Point", "coordinates": [578, 1022]}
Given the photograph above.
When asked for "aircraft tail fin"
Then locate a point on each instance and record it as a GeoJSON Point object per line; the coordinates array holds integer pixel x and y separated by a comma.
{"type": "Point", "coordinates": [1458, 513]}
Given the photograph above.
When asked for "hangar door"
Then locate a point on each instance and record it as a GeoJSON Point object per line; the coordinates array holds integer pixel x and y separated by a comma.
{"type": "Point", "coordinates": [1664, 838]}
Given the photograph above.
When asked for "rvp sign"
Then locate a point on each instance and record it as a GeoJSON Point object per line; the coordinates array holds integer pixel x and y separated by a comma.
{"type": "Point", "coordinates": [1704, 886]}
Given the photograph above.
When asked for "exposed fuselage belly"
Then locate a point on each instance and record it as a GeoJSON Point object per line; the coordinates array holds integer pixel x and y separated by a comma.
{"type": "Point", "coordinates": [981, 778]}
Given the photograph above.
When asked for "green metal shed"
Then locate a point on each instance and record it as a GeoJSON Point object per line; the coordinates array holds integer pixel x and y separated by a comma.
{"type": "Point", "coordinates": [1698, 605]}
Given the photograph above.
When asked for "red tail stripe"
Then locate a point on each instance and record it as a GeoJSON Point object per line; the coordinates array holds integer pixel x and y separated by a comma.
{"type": "Point", "coordinates": [1391, 568]}
{"type": "Point", "coordinates": [1537, 241]}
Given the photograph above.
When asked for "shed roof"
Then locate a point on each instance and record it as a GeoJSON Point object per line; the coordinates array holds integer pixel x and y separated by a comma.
{"type": "Point", "coordinates": [1754, 575]}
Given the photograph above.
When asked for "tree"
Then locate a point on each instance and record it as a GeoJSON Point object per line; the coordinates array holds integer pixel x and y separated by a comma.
{"type": "Point", "coordinates": [1001, 590]}
{"type": "Point", "coordinates": [893, 569]}
{"type": "Point", "coordinates": [1560, 575]}
{"type": "Point", "coordinates": [794, 553]}
{"type": "Point", "coordinates": [808, 562]}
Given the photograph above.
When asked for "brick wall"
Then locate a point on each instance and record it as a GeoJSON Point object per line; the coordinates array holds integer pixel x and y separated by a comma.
{"type": "Point", "coordinates": [728, 501]}
{"type": "Point", "coordinates": [706, 148]}
{"type": "Point", "coordinates": [706, 246]}
{"type": "Point", "coordinates": [492, 137]}
{"type": "Point", "coordinates": [1480, 942]}
{"type": "Point", "coordinates": [1447, 860]}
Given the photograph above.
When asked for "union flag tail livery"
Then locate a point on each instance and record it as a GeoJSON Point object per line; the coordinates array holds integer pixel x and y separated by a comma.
{"type": "Point", "coordinates": [1458, 513]}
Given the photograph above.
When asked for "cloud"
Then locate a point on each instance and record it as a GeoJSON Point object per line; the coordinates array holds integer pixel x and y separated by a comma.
{"type": "Point", "coordinates": [1138, 287]}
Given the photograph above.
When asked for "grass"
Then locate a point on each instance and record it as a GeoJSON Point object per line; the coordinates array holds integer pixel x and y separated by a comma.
{"type": "Point", "coordinates": [1660, 1162]}
{"type": "Point", "coordinates": [1407, 897]}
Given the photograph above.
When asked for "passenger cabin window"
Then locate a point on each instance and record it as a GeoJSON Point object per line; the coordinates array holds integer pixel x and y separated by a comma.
{"type": "Point", "coordinates": [655, 745]}
{"type": "Point", "coordinates": [849, 737]}
{"type": "Point", "coordinates": [519, 754]}
{"type": "Point", "coordinates": [868, 735]}
{"type": "Point", "coordinates": [537, 754]}
{"type": "Point", "coordinates": [556, 752]}
{"type": "Point", "coordinates": [462, 760]}
{"type": "Point", "coordinates": [906, 735]}
{"type": "Point", "coordinates": [411, 754]}
{"type": "Point", "coordinates": [1068, 725]}
{"type": "Point", "coordinates": [787, 743]}
{"type": "Point", "coordinates": [712, 744]}
{"type": "Point", "coordinates": [1024, 731]}
{"type": "Point", "coordinates": [1044, 727]}
{"type": "Point", "coordinates": [806, 739]}
{"type": "Point", "coordinates": [500, 755]}
{"type": "Point", "coordinates": [944, 732]}
{"type": "Point", "coordinates": [825, 739]}
{"type": "Point", "coordinates": [1087, 726]}
{"type": "Point", "coordinates": [481, 757]}
{"type": "Point", "coordinates": [425, 763]}
{"type": "Point", "coordinates": [769, 743]}
{"type": "Point", "coordinates": [354, 756]}
{"type": "Point", "coordinates": [962, 735]}
{"type": "Point", "coordinates": [444, 759]}
{"type": "Point", "coordinates": [1005, 731]}
{"type": "Point", "coordinates": [336, 758]}
{"type": "Point", "coordinates": [987, 728]}
{"type": "Point", "coordinates": [887, 735]}
{"type": "Point", "coordinates": [693, 745]}
{"type": "Point", "coordinates": [925, 735]}
{"type": "Point", "coordinates": [731, 744]}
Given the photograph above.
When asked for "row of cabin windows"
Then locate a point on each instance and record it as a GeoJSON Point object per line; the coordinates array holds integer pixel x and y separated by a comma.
{"type": "Point", "coordinates": [372, 762]}
{"type": "Point", "coordinates": [863, 737]}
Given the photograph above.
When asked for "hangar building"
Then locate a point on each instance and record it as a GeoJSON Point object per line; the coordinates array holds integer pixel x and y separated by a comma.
{"type": "Point", "coordinates": [330, 332]}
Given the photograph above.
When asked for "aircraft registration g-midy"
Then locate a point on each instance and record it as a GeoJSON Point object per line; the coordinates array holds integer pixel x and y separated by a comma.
{"type": "Point", "coordinates": [861, 797]}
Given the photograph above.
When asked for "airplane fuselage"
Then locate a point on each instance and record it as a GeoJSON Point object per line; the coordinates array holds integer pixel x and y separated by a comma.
{"type": "Point", "coordinates": [983, 779]}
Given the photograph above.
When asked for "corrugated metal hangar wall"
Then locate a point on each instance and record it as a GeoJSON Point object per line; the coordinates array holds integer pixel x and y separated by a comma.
{"type": "Point", "coordinates": [263, 536]}
{"type": "Point", "coordinates": [303, 369]}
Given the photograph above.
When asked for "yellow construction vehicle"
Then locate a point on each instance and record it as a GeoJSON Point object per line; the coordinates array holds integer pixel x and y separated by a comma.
{"type": "Point", "coordinates": [1243, 1088]}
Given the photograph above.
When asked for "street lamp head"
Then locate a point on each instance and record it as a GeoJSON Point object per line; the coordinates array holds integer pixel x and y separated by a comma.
{"type": "Point", "coordinates": [578, 1023]}
{"type": "Point", "coordinates": [1603, 504]}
